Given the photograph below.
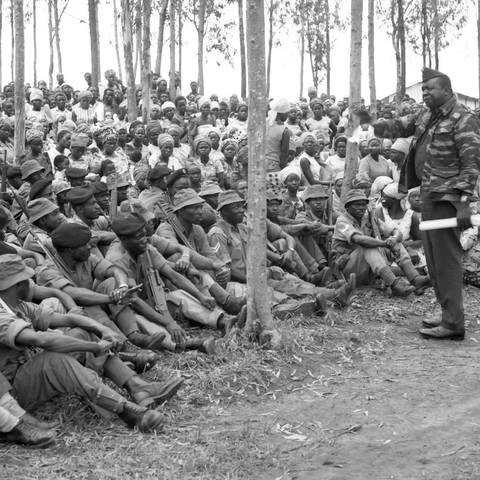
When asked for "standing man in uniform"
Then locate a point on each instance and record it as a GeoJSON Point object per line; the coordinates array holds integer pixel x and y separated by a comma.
{"type": "Point", "coordinates": [445, 160]}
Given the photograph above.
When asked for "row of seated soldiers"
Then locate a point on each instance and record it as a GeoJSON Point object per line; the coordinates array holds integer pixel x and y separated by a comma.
{"type": "Point", "coordinates": [84, 296]}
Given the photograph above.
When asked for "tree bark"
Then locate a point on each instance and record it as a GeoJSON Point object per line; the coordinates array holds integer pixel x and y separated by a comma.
{"type": "Point", "coordinates": [128, 54]}
{"type": "Point", "coordinates": [371, 58]}
{"type": "Point", "coordinates": [327, 43]}
{"type": "Point", "coordinates": [94, 48]}
{"type": "Point", "coordinates": [478, 43]}
{"type": "Point", "coordinates": [1, 43]}
{"type": "Point", "coordinates": [161, 34]}
{"type": "Point", "coordinates": [57, 35]}
{"type": "Point", "coordinates": [436, 32]}
{"type": "Point", "coordinates": [351, 159]}
{"type": "Point", "coordinates": [271, 8]}
{"type": "Point", "coordinates": [138, 35]}
{"type": "Point", "coordinates": [50, 44]}
{"type": "Point", "coordinates": [243, 59]}
{"type": "Point", "coordinates": [12, 25]}
{"type": "Point", "coordinates": [396, 47]}
{"type": "Point", "coordinates": [146, 62]}
{"type": "Point", "coordinates": [34, 22]}
{"type": "Point", "coordinates": [19, 139]}
{"type": "Point", "coordinates": [202, 9]}
{"type": "Point", "coordinates": [117, 45]}
{"type": "Point", "coordinates": [259, 315]}
{"type": "Point", "coordinates": [180, 39]}
{"type": "Point", "coordinates": [302, 46]}
{"type": "Point", "coordinates": [423, 30]}
{"type": "Point", "coordinates": [401, 37]}
{"type": "Point", "coordinates": [172, 51]}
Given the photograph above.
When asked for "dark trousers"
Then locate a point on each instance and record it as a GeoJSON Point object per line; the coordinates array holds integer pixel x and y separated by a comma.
{"type": "Point", "coordinates": [443, 252]}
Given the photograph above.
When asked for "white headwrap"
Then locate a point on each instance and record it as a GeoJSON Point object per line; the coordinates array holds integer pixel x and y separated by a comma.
{"type": "Point", "coordinates": [402, 145]}
{"type": "Point", "coordinates": [277, 105]}
{"type": "Point", "coordinates": [289, 170]}
{"type": "Point", "coordinates": [379, 184]}
{"type": "Point", "coordinates": [202, 101]}
{"type": "Point", "coordinates": [391, 190]}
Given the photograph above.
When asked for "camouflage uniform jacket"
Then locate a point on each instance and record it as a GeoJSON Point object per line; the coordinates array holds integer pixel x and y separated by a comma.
{"type": "Point", "coordinates": [453, 154]}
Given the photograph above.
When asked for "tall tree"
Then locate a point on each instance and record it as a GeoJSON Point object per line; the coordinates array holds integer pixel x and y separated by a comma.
{"type": "Point", "coordinates": [478, 43]}
{"type": "Point", "coordinates": [161, 33]}
{"type": "Point", "coordinates": [34, 23]}
{"type": "Point", "coordinates": [351, 159]}
{"type": "Point", "coordinates": [94, 41]}
{"type": "Point", "coordinates": [128, 55]}
{"type": "Point", "coordinates": [138, 33]}
{"type": "Point", "coordinates": [19, 77]}
{"type": "Point", "coordinates": [50, 44]}
{"type": "Point", "coordinates": [117, 46]}
{"type": "Point", "coordinates": [259, 317]}
{"type": "Point", "coordinates": [146, 61]}
{"type": "Point", "coordinates": [243, 59]}
{"type": "Point", "coordinates": [1, 43]}
{"type": "Point", "coordinates": [57, 17]}
{"type": "Point", "coordinates": [172, 50]}
{"type": "Point", "coordinates": [327, 44]}
{"type": "Point", "coordinates": [202, 10]}
{"type": "Point", "coordinates": [371, 58]}
{"type": "Point", "coordinates": [12, 25]}
{"type": "Point", "coordinates": [180, 35]}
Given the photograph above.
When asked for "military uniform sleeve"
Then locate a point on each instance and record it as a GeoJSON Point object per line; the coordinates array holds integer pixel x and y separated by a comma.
{"type": "Point", "coordinates": [158, 260]}
{"type": "Point", "coordinates": [99, 267]}
{"type": "Point", "coordinates": [165, 230]}
{"type": "Point", "coordinates": [40, 316]}
{"type": "Point", "coordinates": [49, 276]}
{"type": "Point", "coordinates": [10, 327]}
{"type": "Point", "coordinates": [344, 231]}
{"type": "Point", "coordinates": [219, 243]}
{"type": "Point", "coordinates": [273, 231]}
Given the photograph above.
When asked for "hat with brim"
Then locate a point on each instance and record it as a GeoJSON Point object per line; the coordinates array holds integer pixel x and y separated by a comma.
{"type": "Point", "coordinates": [38, 187]}
{"type": "Point", "coordinates": [136, 206]}
{"type": "Point", "coordinates": [355, 196]}
{"type": "Point", "coordinates": [210, 189]}
{"type": "Point", "coordinates": [60, 186]}
{"type": "Point", "coordinates": [30, 167]}
{"type": "Point", "coordinates": [227, 198]}
{"type": "Point", "coordinates": [314, 191]}
{"type": "Point", "coordinates": [429, 73]}
{"type": "Point", "coordinates": [13, 271]}
{"type": "Point", "coordinates": [186, 198]}
{"type": "Point", "coordinates": [40, 207]}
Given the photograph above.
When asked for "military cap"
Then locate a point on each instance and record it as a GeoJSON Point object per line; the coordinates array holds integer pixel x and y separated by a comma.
{"type": "Point", "coordinates": [120, 183]}
{"type": "Point", "coordinates": [29, 167]}
{"type": "Point", "coordinates": [13, 172]}
{"type": "Point", "coordinates": [314, 191]}
{"type": "Point", "coordinates": [76, 173]}
{"type": "Point", "coordinates": [158, 172]}
{"type": "Point", "coordinates": [354, 196]}
{"type": "Point", "coordinates": [185, 198]}
{"type": "Point", "coordinates": [127, 224]}
{"type": "Point", "coordinates": [227, 198]}
{"type": "Point", "coordinates": [210, 188]}
{"type": "Point", "coordinates": [13, 271]}
{"type": "Point", "coordinates": [429, 73]}
{"type": "Point", "coordinates": [71, 235]}
{"type": "Point", "coordinates": [37, 187]}
{"type": "Point", "coordinates": [136, 206]}
{"type": "Point", "coordinates": [79, 195]}
{"type": "Point", "coordinates": [99, 188]}
{"type": "Point", "coordinates": [60, 186]}
{"type": "Point", "coordinates": [181, 172]}
{"type": "Point", "coordinates": [39, 207]}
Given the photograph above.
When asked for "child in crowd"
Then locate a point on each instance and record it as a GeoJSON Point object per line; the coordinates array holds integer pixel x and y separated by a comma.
{"type": "Point", "coordinates": [61, 163]}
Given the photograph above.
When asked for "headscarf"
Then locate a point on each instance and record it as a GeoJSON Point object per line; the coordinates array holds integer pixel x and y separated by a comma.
{"type": "Point", "coordinates": [154, 106]}
{"type": "Point", "coordinates": [371, 139]}
{"type": "Point", "coordinates": [168, 104]}
{"type": "Point", "coordinates": [109, 133]}
{"type": "Point", "coordinates": [360, 179]}
{"type": "Point", "coordinates": [312, 90]}
{"type": "Point", "coordinates": [215, 105]}
{"type": "Point", "coordinates": [82, 128]}
{"type": "Point", "coordinates": [290, 170]}
{"type": "Point", "coordinates": [304, 136]}
{"type": "Point", "coordinates": [386, 143]}
{"type": "Point", "coordinates": [79, 140]}
{"type": "Point", "coordinates": [35, 94]}
{"type": "Point", "coordinates": [339, 176]}
{"type": "Point", "coordinates": [175, 128]}
{"type": "Point", "coordinates": [202, 101]}
{"type": "Point", "coordinates": [139, 172]}
{"type": "Point", "coordinates": [315, 101]}
{"type": "Point", "coordinates": [67, 126]}
{"type": "Point", "coordinates": [229, 142]}
{"type": "Point", "coordinates": [340, 138]}
{"type": "Point", "coordinates": [413, 190]}
{"type": "Point", "coordinates": [277, 105]}
{"type": "Point", "coordinates": [165, 138]}
{"type": "Point", "coordinates": [85, 94]}
{"type": "Point", "coordinates": [153, 126]}
{"type": "Point", "coordinates": [391, 190]}
{"type": "Point", "coordinates": [225, 101]}
{"type": "Point", "coordinates": [215, 130]}
{"type": "Point", "coordinates": [201, 139]}
{"type": "Point", "coordinates": [136, 124]}
{"type": "Point", "coordinates": [379, 184]}
{"type": "Point", "coordinates": [33, 133]}
{"type": "Point", "coordinates": [402, 145]}
{"type": "Point", "coordinates": [3, 122]}
{"type": "Point", "coordinates": [240, 135]}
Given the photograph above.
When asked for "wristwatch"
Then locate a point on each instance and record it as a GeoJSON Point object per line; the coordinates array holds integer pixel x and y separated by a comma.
{"type": "Point", "coordinates": [292, 249]}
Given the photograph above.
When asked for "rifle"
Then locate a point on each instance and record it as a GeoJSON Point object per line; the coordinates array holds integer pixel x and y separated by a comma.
{"type": "Point", "coordinates": [179, 234]}
{"type": "Point", "coordinates": [4, 173]}
{"type": "Point", "coordinates": [155, 290]}
{"type": "Point", "coordinates": [328, 241]}
{"type": "Point", "coordinates": [113, 195]}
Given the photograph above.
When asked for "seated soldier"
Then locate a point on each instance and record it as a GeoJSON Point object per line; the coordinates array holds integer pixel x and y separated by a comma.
{"type": "Point", "coordinates": [76, 176]}
{"type": "Point", "coordinates": [102, 197]}
{"type": "Point", "coordinates": [32, 172]}
{"type": "Point", "coordinates": [61, 189]}
{"type": "Point", "coordinates": [363, 245]}
{"type": "Point", "coordinates": [59, 367]}
{"type": "Point", "coordinates": [119, 185]}
{"type": "Point", "coordinates": [209, 192]}
{"type": "Point", "coordinates": [228, 238]}
{"type": "Point", "coordinates": [157, 181]}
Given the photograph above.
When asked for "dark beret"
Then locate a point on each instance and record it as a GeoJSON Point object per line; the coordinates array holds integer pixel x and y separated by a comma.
{"type": "Point", "coordinates": [158, 172]}
{"type": "Point", "coordinates": [99, 187]}
{"type": "Point", "coordinates": [76, 173]}
{"type": "Point", "coordinates": [71, 235]}
{"type": "Point", "coordinates": [79, 195]}
{"type": "Point", "coordinates": [38, 187]}
{"type": "Point", "coordinates": [127, 224]}
{"type": "Point", "coordinates": [181, 172]}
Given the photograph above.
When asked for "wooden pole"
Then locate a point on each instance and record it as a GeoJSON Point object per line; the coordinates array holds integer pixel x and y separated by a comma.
{"type": "Point", "coordinates": [94, 49]}
{"type": "Point", "coordinates": [172, 51]}
{"type": "Point", "coordinates": [202, 8]}
{"type": "Point", "coordinates": [19, 144]}
{"type": "Point", "coordinates": [371, 58]}
{"type": "Point", "coordinates": [243, 55]}
{"type": "Point", "coordinates": [117, 46]}
{"type": "Point", "coordinates": [258, 306]}
{"type": "Point", "coordinates": [128, 54]}
{"type": "Point", "coordinates": [351, 159]}
{"type": "Point", "coordinates": [146, 61]}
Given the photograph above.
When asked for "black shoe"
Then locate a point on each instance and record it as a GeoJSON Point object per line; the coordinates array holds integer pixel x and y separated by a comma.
{"type": "Point", "coordinates": [141, 361]}
{"type": "Point", "coordinates": [148, 342]}
{"type": "Point", "coordinates": [38, 423]}
{"type": "Point", "coordinates": [233, 305]}
{"type": "Point", "coordinates": [431, 323]}
{"type": "Point", "coordinates": [147, 421]}
{"type": "Point", "coordinates": [157, 392]}
{"type": "Point", "coordinates": [203, 345]}
{"type": "Point", "coordinates": [421, 284]}
{"type": "Point", "coordinates": [442, 333]}
{"type": "Point", "coordinates": [321, 278]}
{"type": "Point", "coordinates": [400, 290]}
{"type": "Point", "coordinates": [343, 295]}
{"type": "Point", "coordinates": [226, 322]}
{"type": "Point", "coordinates": [320, 304]}
{"type": "Point", "coordinates": [27, 434]}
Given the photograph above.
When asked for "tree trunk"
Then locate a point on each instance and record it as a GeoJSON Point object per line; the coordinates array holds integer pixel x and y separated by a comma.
{"type": "Point", "coordinates": [302, 46]}
{"type": "Point", "coordinates": [138, 35]}
{"type": "Point", "coordinates": [117, 46]}
{"type": "Point", "coordinates": [396, 47]}
{"type": "Point", "coordinates": [12, 25]}
{"type": "Point", "coordinates": [351, 159]}
{"type": "Point", "coordinates": [258, 307]}
{"type": "Point", "coordinates": [180, 33]}
{"type": "Point", "coordinates": [172, 51]}
{"type": "Point", "coordinates": [94, 49]}
{"type": "Point", "coordinates": [478, 43]}
{"type": "Point", "coordinates": [272, 7]}
{"type": "Point", "coordinates": [202, 9]}
{"type": "Point", "coordinates": [19, 77]}
{"type": "Point", "coordinates": [57, 35]}
{"type": "Point", "coordinates": [423, 29]}
{"type": "Point", "coordinates": [243, 59]}
{"type": "Point", "coordinates": [436, 32]}
{"type": "Point", "coordinates": [128, 55]}
{"type": "Point", "coordinates": [327, 42]}
{"type": "Point", "coordinates": [34, 22]}
{"type": "Point", "coordinates": [1, 43]}
{"type": "Point", "coordinates": [401, 37]}
{"type": "Point", "coordinates": [371, 58]}
{"type": "Point", "coordinates": [50, 44]}
{"type": "Point", "coordinates": [161, 33]}
{"type": "Point", "coordinates": [146, 61]}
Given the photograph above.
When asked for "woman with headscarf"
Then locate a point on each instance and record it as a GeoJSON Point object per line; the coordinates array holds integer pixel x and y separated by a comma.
{"type": "Point", "coordinates": [231, 168]}
{"type": "Point", "coordinates": [377, 186]}
{"type": "Point", "coordinates": [374, 164]}
{"type": "Point", "coordinates": [83, 111]}
{"type": "Point", "coordinates": [398, 154]}
{"type": "Point", "coordinates": [6, 144]}
{"type": "Point", "coordinates": [35, 110]}
{"type": "Point", "coordinates": [78, 146]}
{"type": "Point", "coordinates": [277, 141]}
{"type": "Point", "coordinates": [337, 192]}
{"type": "Point", "coordinates": [320, 121]}
{"type": "Point", "coordinates": [313, 172]}
{"type": "Point", "coordinates": [291, 204]}
{"type": "Point", "coordinates": [111, 152]}
{"type": "Point", "coordinates": [34, 139]}
{"type": "Point", "coordinates": [214, 135]}
{"type": "Point", "coordinates": [153, 130]}
{"type": "Point", "coordinates": [165, 144]}
{"type": "Point", "coordinates": [336, 163]}
{"type": "Point", "coordinates": [168, 113]}
{"type": "Point", "coordinates": [180, 150]}
{"type": "Point", "coordinates": [211, 169]}
{"type": "Point", "coordinates": [62, 146]}
{"type": "Point", "coordinates": [137, 132]}
{"type": "Point", "coordinates": [292, 122]}
{"type": "Point", "coordinates": [201, 125]}
{"type": "Point", "coordinates": [179, 118]}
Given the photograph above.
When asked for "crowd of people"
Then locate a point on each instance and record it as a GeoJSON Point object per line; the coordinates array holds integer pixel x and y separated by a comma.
{"type": "Point", "coordinates": [115, 232]}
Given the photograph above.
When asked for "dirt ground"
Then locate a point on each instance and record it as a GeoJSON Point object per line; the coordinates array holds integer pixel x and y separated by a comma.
{"type": "Point", "coordinates": [357, 394]}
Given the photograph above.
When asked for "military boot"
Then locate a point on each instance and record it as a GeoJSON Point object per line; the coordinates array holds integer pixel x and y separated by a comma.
{"type": "Point", "coordinates": [147, 421]}
{"type": "Point", "coordinates": [25, 433]}
{"type": "Point", "coordinates": [205, 345]}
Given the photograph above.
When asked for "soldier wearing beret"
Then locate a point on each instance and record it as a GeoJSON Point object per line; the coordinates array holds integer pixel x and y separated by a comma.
{"type": "Point", "coordinates": [68, 363]}
{"type": "Point", "coordinates": [444, 159]}
{"type": "Point", "coordinates": [157, 181]}
{"type": "Point", "coordinates": [32, 172]}
{"type": "Point", "coordinates": [76, 176]}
